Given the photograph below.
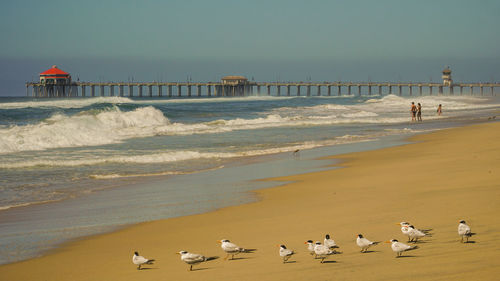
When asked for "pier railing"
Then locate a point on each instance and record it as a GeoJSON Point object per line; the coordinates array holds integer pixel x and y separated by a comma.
{"type": "Point", "coordinates": [218, 89]}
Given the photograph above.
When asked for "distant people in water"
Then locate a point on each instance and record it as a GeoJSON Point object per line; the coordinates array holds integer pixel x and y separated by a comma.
{"type": "Point", "coordinates": [419, 112]}
{"type": "Point", "coordinates": [439, 110]}
{"type": "Point", "coordinates": [413, 111]}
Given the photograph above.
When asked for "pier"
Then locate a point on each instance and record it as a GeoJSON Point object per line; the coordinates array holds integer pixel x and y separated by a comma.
{"type": "Point", "coordinates": [218, 89]}
{"type": "Point", "coordinates": [55, 83]}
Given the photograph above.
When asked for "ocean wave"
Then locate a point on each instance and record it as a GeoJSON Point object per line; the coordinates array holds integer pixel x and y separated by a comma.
{"type": "Point", "coordinates": [112, 125]}
{"type": "Point", "coordinates": [86, 102]}
{"type": "Point", "coordinates": [159, 157]}
{"type": "Point", "coordinates": [88, 128]}
{"type": "Point", "coordinates": [65, 103]}
{"type": "Point", "coordinates": [393, 103]}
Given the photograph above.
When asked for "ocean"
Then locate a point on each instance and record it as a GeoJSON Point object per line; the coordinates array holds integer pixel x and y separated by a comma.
{"type": "Point", "coordinates": [80, 166]}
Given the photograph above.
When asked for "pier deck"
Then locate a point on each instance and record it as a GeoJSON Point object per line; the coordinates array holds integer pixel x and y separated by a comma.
{"type": "Point", "coordinates": [209, 89]}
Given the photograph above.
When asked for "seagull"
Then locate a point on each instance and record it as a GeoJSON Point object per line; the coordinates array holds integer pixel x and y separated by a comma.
{"type": "Point", "coordinates": [399, 247]}
{"type": "Point", "coordinates": [404, 229]}
{"type": "Point", "coordinates": [406, 224]}
{"type": "Point", "coordinates": [233, 249]}
{"type": "Point", "coordinates": [322, 251]}
{"type": "Point", "coordinates": [140, 260]}
{"type": "Point", "coordinates": [285, 253]}
{"type": "Point", "coordinates": [415, 234]}
{"type": "Point", "coordinates": [364, 243]}
{"type": "Point", "coordinates": [310, 247]}
{"type": "Point", "coordinates": [193, 259]}
{"type": "Point", "coordinates": [330, 243]}
{"type": "Point", "coordinates": [464, 231]}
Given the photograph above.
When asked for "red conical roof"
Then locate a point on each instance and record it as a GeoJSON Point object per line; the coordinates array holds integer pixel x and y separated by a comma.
{"type": "Point", "coordinates": [54, 71]}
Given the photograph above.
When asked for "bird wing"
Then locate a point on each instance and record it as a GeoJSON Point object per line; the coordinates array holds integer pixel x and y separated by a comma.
{"type": "Point", "coordinates": [230, 247]}
{"type": "Point", "coordinates": [365, 242]}
{"type": "Point", "coordinates": [329, 243]}
{"type": "Point", "coordinates": [286, 252]}
{"type": "Point", "coordinates": [139, 260]}
{"type": "Point", "coordinates": [463, 229]}
{"type": "Point", "coordinates": [400, 247]}
{"type": "Point", "coordinates": [190, 257]}
{"type": "Point", "coordinates": [321, 250]}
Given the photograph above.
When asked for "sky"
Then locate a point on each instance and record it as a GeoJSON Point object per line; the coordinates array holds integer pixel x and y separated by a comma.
{"type": "Point", "coordinates": [357, 40]}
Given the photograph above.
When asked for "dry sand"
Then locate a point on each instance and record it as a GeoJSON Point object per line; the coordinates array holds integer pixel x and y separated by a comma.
{"type": "Point", "coordinates": [444, 177]}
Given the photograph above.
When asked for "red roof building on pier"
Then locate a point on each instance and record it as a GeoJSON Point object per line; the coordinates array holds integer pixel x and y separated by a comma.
{"type": "Point", "coordinates": [55, 76]}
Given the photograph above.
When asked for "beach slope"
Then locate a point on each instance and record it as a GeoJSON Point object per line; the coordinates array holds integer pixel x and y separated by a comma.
{"type": "Point", "coordinates": [440, 179]}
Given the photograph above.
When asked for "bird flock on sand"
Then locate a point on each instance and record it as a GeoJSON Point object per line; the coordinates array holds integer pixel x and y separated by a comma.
{"type": "Point", "coordinates": [316, 249]}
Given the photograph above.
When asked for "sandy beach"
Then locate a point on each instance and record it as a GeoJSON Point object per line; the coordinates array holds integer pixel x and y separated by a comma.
{"type": "Point", "coordinates": [434, 182]}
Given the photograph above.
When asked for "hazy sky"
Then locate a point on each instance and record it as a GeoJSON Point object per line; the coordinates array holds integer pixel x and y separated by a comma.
{"type": "Point", "coordinates": [270, 40]}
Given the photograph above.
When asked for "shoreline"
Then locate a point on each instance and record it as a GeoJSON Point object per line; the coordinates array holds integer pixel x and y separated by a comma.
{"type": "Point", "coordinates": [266, 260]}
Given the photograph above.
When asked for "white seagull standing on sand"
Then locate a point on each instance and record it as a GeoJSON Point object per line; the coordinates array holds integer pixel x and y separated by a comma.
{"type": "Point", "coordinates": [285, 253]}
{"type": "Point", "coordinates": [464, 231]}
{"type": "Point", "coordinates": [364, 243]}
{"type": "Point", "coordinates": [414, 234]}
{"type": "Point", "coordinates": [140, 260]}
{"type": "Point", "coordinates": [233, 249]}
{"type": "Point", "coordinates": [193, 259]}
{"type": "Point", "coordinates": [329, 242]}
{"type": "Point", "coordinates": [310, 247]}
{"type": "Point", "coordinates": [399, 247]}
{"type": "Point", "coordinates": [322, 251]}
{"type": "Point", "coordinates": [404, 229]}
{"type": "Point", "coordinates": [405, 225]}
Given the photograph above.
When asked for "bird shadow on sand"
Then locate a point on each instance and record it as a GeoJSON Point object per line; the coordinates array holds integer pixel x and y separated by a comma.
{"type": "Point", "coordinates": [148, 268]}
{"type": "Point", "coordinates": [201, 268]}
{"type": "Point", "coordinates": [330, 262]}
{"type": "Point", "coordinates": [290, 262]}
{"type": "Point", "coordinates": [370, 251]}
{"type": "Point", "coordinates": [240, 258]}
{"type": "Point", "coordinates": [406, 257]}
{"type": "Point", "coordinates": [470, 242]}
{"type": "Point", "coordinates": [420, 242]}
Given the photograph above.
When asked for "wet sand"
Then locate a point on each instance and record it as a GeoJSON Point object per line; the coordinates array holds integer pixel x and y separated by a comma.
{"type": "Point", "coordinates": [433, 183]}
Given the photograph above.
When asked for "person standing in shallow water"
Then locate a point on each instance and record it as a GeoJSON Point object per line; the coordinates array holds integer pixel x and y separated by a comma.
{"type": "Point", "coordinates": [419, 112]}
{"type": "Point", "coordinates": [413, 111]}
{"type": "Point", "coordinates": [439, 110]}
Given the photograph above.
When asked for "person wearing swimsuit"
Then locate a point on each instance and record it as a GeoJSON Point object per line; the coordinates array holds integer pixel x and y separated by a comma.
{"type": "Point", "coordinates": [413, 111]}
{"type": "Point", "coordinates": [419, 112]}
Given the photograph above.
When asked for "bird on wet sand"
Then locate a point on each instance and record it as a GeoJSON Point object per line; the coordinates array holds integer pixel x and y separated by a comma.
{"type": "Point", "coordinates": [364, 243]}
{"type": "Point", "coordinates": [194, 259]}
{"type": "Point", "coordinates": [330, 243]}
{"type": "Point", "coordinates": [464, 231]}
{"type": "Point", "coordinates": [399, 247]}
{"type": "Point", "coordinates": [322, 251]}
{"type": "Point", "coordinates": [285, 253]}
{"type": "Point", "coordinates": [232, 249]}
{"type": "Point", "coordinates": [140, 260]}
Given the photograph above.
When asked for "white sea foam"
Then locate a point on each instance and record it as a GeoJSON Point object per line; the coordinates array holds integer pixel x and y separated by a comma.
{"type": "Point", "coordinates": [65, 103]}
{"type": "Point", "coordinates": [159, 157]}
{"type": "Point", "coordinates": [93, 127]}
{"type": "Point", "coordinates": [85, 102]}
{"type": "Point", "coordinates": [85, 129]}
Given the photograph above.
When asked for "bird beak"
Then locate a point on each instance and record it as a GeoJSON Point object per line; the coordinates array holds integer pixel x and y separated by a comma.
{"type": "Point", "coordinates": [398, 224]}
{"type": "Point", "coordinates": [177, 253]}
{"type": "Point", "coordinates": [305, 242]}
{"type": "Point", "coordinates": [220, 241]}
{"type": "Point", "coordinates": [388, 242]}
